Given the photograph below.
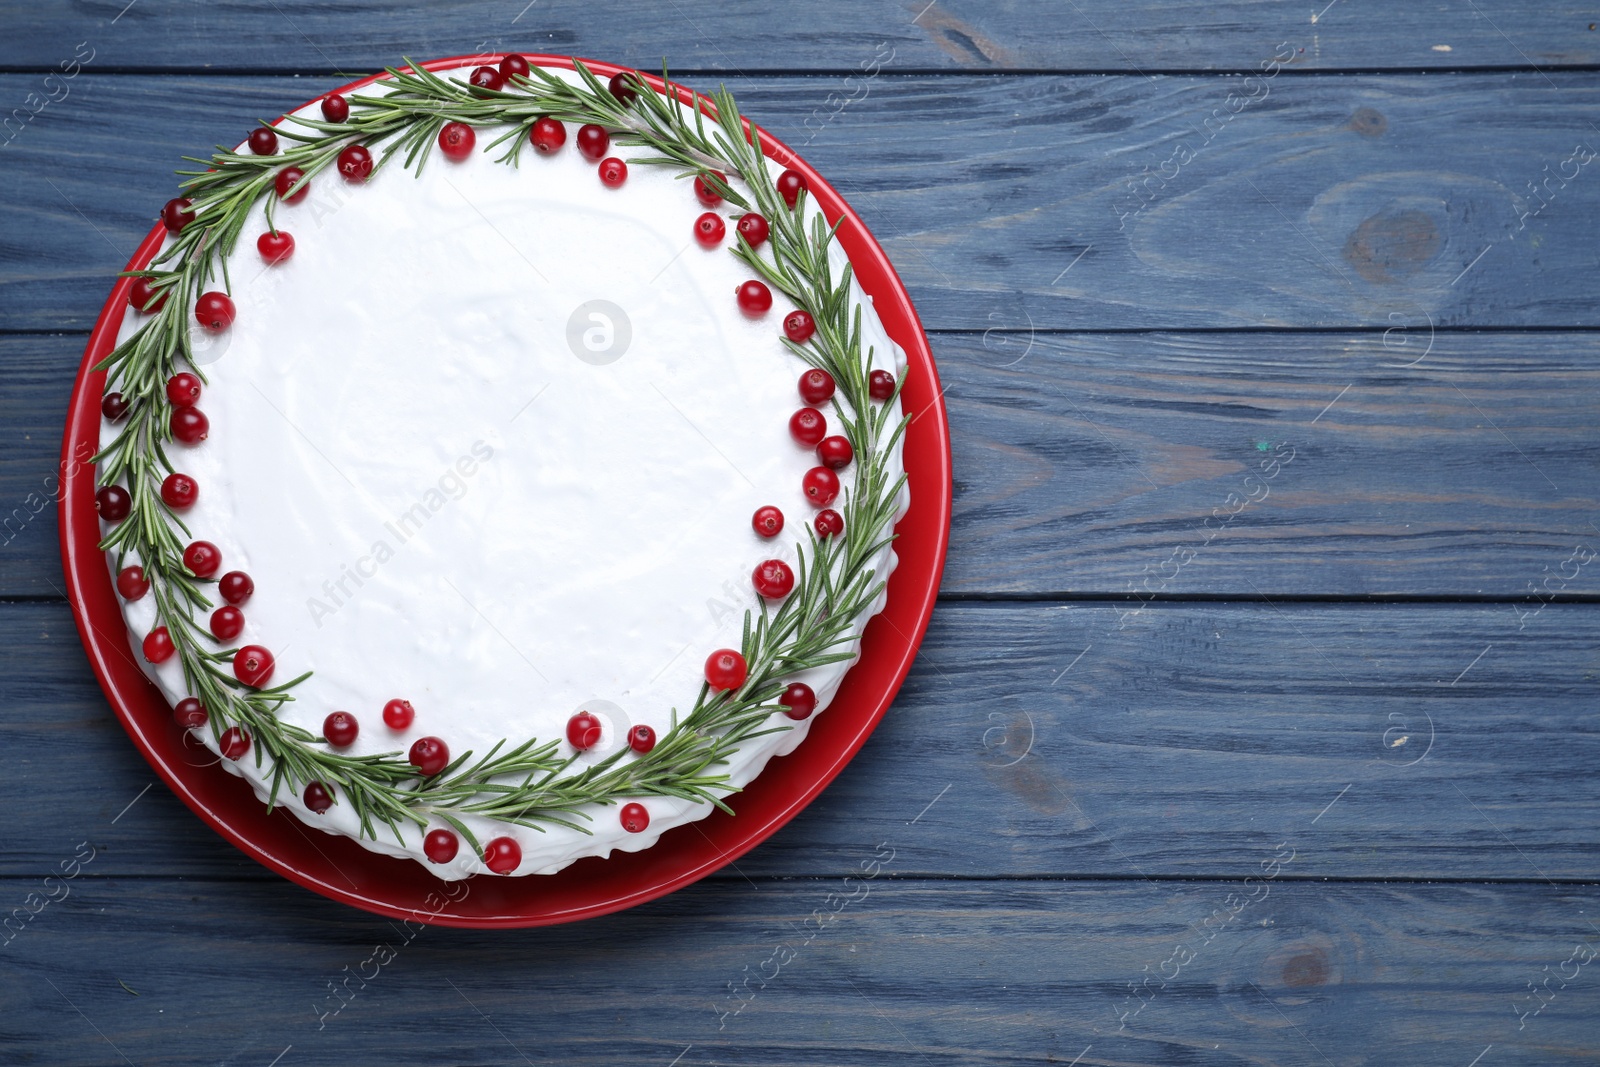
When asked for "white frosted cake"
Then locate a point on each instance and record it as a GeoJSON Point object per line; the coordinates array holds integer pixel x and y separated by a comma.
{"type": "Point", "coordinates": [498, 459]}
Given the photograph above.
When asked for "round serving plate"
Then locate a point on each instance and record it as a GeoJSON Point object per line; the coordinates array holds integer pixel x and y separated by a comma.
{"type": "Point", "coordinates": [338, 867]}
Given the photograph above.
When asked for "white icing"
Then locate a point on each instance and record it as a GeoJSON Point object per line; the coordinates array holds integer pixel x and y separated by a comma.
{"type": "Point", "coordinates": [552, 531]}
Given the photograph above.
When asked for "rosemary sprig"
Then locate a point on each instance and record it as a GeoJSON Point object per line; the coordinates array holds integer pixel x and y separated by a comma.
{"type": "Point", "coordinates": [528, 784]}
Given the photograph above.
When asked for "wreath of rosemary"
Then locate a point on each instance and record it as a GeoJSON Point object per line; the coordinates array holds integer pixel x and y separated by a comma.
{"type": "Point", "coordinates": [530, 784]}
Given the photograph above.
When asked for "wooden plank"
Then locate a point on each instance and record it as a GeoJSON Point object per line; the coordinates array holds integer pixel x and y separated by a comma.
{"type": "Point", "coordinates": [1023, 202]}
{"type": "Point", "coordinates": [903, 971]}
{"type": "Point", "coordinates": [1111, 464]}
{"type": "Point", "coordinates": [1043, 741]}
{"type": "Point", "coordinates": [1137, 35]}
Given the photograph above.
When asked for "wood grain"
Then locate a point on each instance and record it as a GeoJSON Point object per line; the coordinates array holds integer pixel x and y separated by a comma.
{"type": "Point", "coordinates": [904, 971]}
{"type": "Point", "coordinates": [1044, 742]}
{"type": "Point", "coordinates": [741, 36]}
{"type": "Point", "coordinates": [1042, 203]}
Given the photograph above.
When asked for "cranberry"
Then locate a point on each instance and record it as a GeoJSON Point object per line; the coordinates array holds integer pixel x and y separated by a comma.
{"type": "Point", "coordinates": [547, 135]}
{"type": "Point", "coordinates": [227, 623]}
{"type": "Point", "coordinates": [145, 297]}
{"type": "Point", "coordinates": [623, 86]}
{"type": "Point", "coordinates": [835, 452]}
{"type": "Point", "coordinates": [754, 227]}
{"type": "Point", "coordinates": [816, 385]}
{"type": "Point", "coordinates": [502, 855]}
{"type": "Point", "coordinates": [335, 108]}
{"type": "Point", "coordinates": [176, 213]}
{"type": "Point", "coordinates": [253, 665]}
{"type": "Point", "coordinates": [790, 186]}
{"type": "Point", "coordinates": [487, 78]}
{"type": "Point", "coordinates": [183, 389]}
{"type": "Point", "coordinates": [355, 163]}
{"type": "Point", "coordinates": [880, 383]}
{"type": "Point", "coordinates": [214, 311]}
{"type": "Point", "coordinates": [430, 755]}
{"type": "Point", "coordinates": [821, 485]}
{"type": "Point", "coordinates": [132, 583]}
{"type": "Point", "coordinates": [234, 743]}
{"type": "Point", "coordinates": [635, 818]}
{"type": "Point", "coordinates": [398, 714]}
{"type": "Point", "coordinates": [235, 587]}
{"type": "Point", "coordinates": [441, 846]}
{"type": "Point", "coordinates": [828, 523]}
{"type": "Point", "coordinates": [189, 425]}
{"type": "Point", "coordinates": [583, 730]}
{"type": "Point", "coordinates": [317, 797]}
{"type": "Point", "coordinates": [703, 190]}
{"type": "Point", "coordinates": [263, 141]}
{"type": "Point", "coordinates": [798, 701]}
{"type": "Point", "coordinates": [286, 180]}
{"type": "Point", "coordinates": [113, 503]}
{"type": "Point", "coordinates": [275, 246]}
{"type": "Point", "coordinates": [725, 669]}
{"type": "Point", "coordinates": [189, 712]}
{"type": "Point", "coordinates": [808, 426]}
{"type": "Point", "coordinates": [767, 521]}
{"type": "Point", "coordinates": [709, 229]}
{"type": "Point", "coordinates": [593, 142]}
{"type": "Point", "coordinates": [773, 579]}
{"type": "Point", "coordinates": [755, 298]}
{"type": "Point", "coordinates": [512, 66]}
{"type": "Point", "coordinates": [202, 558]}
{"type": "Point", "coordinates": [641, 739]}
{"type": "Point", "coordinates": [157, 645]}
{"type": "Point", "coordinates": [114, 406]}
{"type": "Point", "coordinates": [456, 140]}
{"type": "Point", "coordinates": [613, 172]}
{"type": "Point", "coordinates": [179, 491]}
{"type": "Point", "coordinates": [798, 326]}
{"type": "Point", "coordinates": [340, 728]}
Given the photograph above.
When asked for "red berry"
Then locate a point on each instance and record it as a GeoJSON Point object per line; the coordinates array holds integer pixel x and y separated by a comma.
{"type": "Point", "coordinates": [754, 298]}
{"type": "Point", "coordinates": [798, 326]}
{"type": "Point", "coordinates": [593, 142]}
{"type": "Point", "coordinates": [456, 140]}
{"type": "Point", "coordinates": [613, 172]}
{"type": "Point", "coordinates": [175, 213]}
{"type": "Point", "coordinates": [790, 186]}
{"type": "Point", "coordinates": [275, 247]}
{"type": "Point", "coordinates": [235, 587]}
{"type": "Point", "coordinates": [635, 818]}
{"type": "Point", "coordinates": [513, 65]}
{"type": "Point", "coordinates": [114, 406]}
{"type": "Point", "coordinates": [709, 229]}
{"type": "Point", "coordinates": [487, 78]}
{"type": "Point", "coordinates": [317, 797]}
{"type": "Point", "coordinates": [768, 521]}
{"type": "Point", "coordinates": [214, 311]}
{"type": "Point", "coordinates": [624, 86]}
{"type": "Point", "coordinates": [754, 228]}
{"type": "Point", "coordinates": [263, 141]}
{"type": "Point", "coordinates": [335, 108]}
{"type": "Point", "coordinates": [583, 730]}
{"type": "Point", "coordinates": [547, 135]}
{"type": "Point", "coordinates": [227, 623]}
{"type": "Point", "coordinates": [189, 712]}
{"type": "Point", "coordinates": [821, 485]}
{"type": "Point", "coordinates": [828, 523]}
{"type": "Point", "coordinates": [798, 701]}
{"type": "Point", "coordinates": [183, 389]}
{"type": "Point", "coordinates": [340, 728]}
{"type": "Point", "coordinates": [132, 583]}
{"type": "Point", "coordinates": [441, 846]}
{"type": "Point", "coordinates": [202, 558]}
{"type": "Point", "coordinates": [808, 426]}
{"type": "Point", "coordinates": [179, 491]}
{"type": "Point", "coordinates": [880, 383]}
{"type": "Point", "coordinates": [113, 503]}
{"type": "Point", "coordinates": [641, 739]}
{"type": "Point", "coordinates": [430, 755]}
{"type": "Point", "coordinates": [145, 297]}
{"type": "Point", "coordinates": [285, 181]}
{"type": "Point", "coordinates": [234, 743]}
{"type": "Point", "coordinates": [355, 163]}
{"type": "Point", "coordinates": [502, 855]}
{"type": "Point", "coordinates": [189, 425]}
{"type": "Point", "coordinates": [816, 386]}
{"type": "Point", "coordinates": [725, 669]}
{"type": "Point", "coordinates": [773, 579]}
{"type": "Point", "coordinates": [253, 665]}
{"type": "Point", "coordinates": [398, 714]}
{"type": "Point", "coordinates": [704, 192]}
{"type": "Point", "coordinates": [835, 452]}
{"type": "Point", "coordinates": [158, 647]}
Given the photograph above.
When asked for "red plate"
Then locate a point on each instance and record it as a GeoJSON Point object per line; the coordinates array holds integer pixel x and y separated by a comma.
{"type": "Point", "coordinates": [337, 867]}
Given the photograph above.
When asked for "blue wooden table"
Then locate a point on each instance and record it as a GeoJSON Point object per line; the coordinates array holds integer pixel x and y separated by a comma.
{"type": "Point", "coordinates": [1257, 723]}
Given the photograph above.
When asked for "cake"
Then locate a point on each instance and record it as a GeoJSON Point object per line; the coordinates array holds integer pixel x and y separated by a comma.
{"type": "Point", "coordinates": [499, 465]}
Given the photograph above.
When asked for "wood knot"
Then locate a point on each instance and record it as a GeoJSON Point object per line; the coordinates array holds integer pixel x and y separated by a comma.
{"type": "Point", "coordinates": [1368, 122]}
{"type": "Point", "coordinates": [1392, 245]}
{"type": "Point", "coordinates": [1308, 968]}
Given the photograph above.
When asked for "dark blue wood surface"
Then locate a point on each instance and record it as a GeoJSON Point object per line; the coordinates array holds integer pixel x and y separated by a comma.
{"type": "Point", "coordinates": [1371, 692]}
